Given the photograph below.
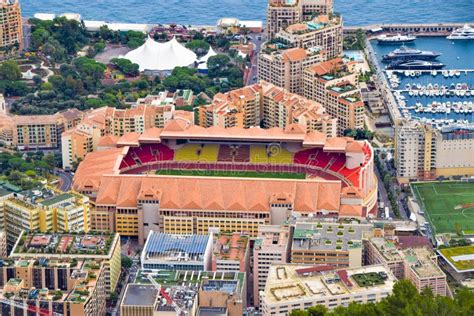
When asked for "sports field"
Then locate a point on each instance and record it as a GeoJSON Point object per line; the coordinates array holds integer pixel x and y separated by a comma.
{"type": "Point", "coordinates": [449, 206]}
{"type": "Point", "coordinates": [241, 174]}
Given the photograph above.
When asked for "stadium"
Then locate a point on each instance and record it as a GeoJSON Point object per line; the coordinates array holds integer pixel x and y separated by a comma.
{"type": "Point", "coordinates": [210, 173]}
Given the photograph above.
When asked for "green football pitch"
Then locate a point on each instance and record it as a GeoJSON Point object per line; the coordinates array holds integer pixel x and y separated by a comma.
{"type": "Point", "coordinates": [449, 206]}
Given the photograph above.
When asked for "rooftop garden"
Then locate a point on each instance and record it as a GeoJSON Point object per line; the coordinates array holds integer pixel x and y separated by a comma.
{"type": "Point", "coordinates": [369, 279]}
{"type": "Point", "coordinates": [450, 254]}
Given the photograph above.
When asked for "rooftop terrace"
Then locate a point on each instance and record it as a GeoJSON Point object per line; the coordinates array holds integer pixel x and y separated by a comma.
{"type": "Point", "coordinates": [285, 284]}
{"type": "Point", "coordinates": [460, 258]}
{"type": "Point", "coordinates": [64, 244]}
{"type": "Point", "coordinates": [329, 236]}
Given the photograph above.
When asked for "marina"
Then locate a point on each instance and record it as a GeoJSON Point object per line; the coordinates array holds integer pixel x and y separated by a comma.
{"type": "Point", "coordinates": [437, 96]}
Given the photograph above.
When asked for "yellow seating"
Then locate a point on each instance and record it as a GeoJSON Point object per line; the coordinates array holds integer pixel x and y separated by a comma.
{"type": "Point", "coordinates": [188, 152]}
{"type": "Point", "coordinates": [258, 154]}
{"type": "Point", "coordinates": [209, 153]}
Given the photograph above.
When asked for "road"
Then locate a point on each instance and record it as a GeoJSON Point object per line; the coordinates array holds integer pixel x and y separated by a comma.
{"type": "Point", "coordinates": [251, 78]}
{"type": "Point", "coordinates": [65, 179]}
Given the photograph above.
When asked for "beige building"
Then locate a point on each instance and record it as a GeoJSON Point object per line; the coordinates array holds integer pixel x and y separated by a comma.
{"type": "Point", "coordinates": [151, 111]}
{"type": "Point", "coordinates": [417, 264]}
{"type": "Point", "coordinates": [11, 28]}
{"type": "Point", "coordinates": [272, 246]}
{"type": "Point", "coordinates": [53, 287]}
{"type": "Point", "coordinates": [282, 13]}
{"type": "Point", "coordinates": [269, 105]}
{"type": "Point", "coordinates": [231, 252]}
{"type": "Point", "coordinates": [284, 68]}
{"type": "Point", "coordinates": [322, 32]}
{"type": "Point", "coordinates": [425, 153]}
{"type": "Point", "coordinates": [294, 287]}
{"type": "Point", "coordinates": [334, 83]}
{"type": "Point", "coordinates": [334, 244]}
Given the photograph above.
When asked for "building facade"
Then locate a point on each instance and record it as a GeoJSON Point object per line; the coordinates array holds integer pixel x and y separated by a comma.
{"type": "Point", "coordinates": [267, 105]}
{"type": "Point", "coordinates": [282, 13]}
{"type": "Point", "coordinates": [11, 28]}
{"type": "Point", "coordinates": [294, 287]}
{"type": "Point", "coordinates": [272, 246]}
{"type": "Point", "coordinates": [426, 153]}
{"type": "Point", "coordinates": [334, 83]}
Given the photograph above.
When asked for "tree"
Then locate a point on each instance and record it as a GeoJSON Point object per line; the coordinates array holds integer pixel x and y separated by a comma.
{"type": "Point", "coordinates": [126, 262]}
{"type": "Point", "coordinates": [125, 66]}
{"type": "Point", "coordinates": [217, 65]}
{"type": "Point", "coordinates": [199, 46]}
{"type": "Point", "coordinates": [9, 70]}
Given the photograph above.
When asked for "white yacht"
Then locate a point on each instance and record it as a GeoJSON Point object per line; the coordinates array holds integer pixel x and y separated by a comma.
{"type": "Point", "coordinates": [464, 33]}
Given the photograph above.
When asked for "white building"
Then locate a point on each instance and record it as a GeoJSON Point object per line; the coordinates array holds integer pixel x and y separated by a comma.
{"type": "Point", "coordinates": [293, 287]}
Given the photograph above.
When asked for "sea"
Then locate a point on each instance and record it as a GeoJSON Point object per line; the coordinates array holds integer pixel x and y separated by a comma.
{"type": "Point", "coordinates": [207, 12]}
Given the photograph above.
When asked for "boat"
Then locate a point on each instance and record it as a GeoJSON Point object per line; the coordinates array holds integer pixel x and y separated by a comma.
{"type": "Point", "coordinates": [406, 53]}
{"type": "Point", "coordinates": [464, 33]}
{"type": "Point", "coordinates": [395, 39]}
{"type": "Point", "coordinates": [416, 65]}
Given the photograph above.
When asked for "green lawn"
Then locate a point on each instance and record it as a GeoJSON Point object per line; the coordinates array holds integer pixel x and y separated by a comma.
{"type": "Point", "coordinates": [241, 174]}
{"type": "Point", "coordinates": [442, 202]}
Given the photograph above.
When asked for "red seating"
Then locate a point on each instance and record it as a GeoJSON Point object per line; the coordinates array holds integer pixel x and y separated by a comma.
{"type": "Point", "coordinates": [338, 163]}
{"type": "Point", "coordinates": [225, 153]}
{"type": "Point", "coordinates": [242, 154]}
{"type": "Point", "coordinates": [147, 153]}
{"type": "Point", "coordinates": [307, 156]}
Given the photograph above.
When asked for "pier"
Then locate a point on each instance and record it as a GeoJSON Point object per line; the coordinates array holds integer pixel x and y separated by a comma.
{"type": "Point", "coordinates": [434, 29]}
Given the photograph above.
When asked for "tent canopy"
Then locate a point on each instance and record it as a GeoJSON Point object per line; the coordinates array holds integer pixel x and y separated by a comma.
{"type": "Point", "coordinates": [203, 60]}
{"type": "Point", "coordinates": [161, 56]}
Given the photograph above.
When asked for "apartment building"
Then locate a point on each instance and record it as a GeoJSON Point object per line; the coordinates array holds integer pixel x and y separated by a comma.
{"type": "Point", "coordinates": [292, 287]}
{"type": "Point", "coordinates": [272, 246]}
{"type": "Point", "coordinates": [151, 111]}
{"type": "Point", "coordinates": [425, 153]}
{"type": "Point", "coordinates": [53, 287]}
{"type": "Point", "coordinates": [103, 249]}
{"type": "Point", "coordinates": [45, 210]}
{"type": "Point", "coordinates": [323, 32]}
{"type": "Point", "coordinates": [267, 105]}
{"type": "Point", "coordinates": [185, 292]}
{"type": "Point", "coordinates": [417, 264]}
{"type": "Point", "coordinates": [284, 68]}
{"type": "Point", "coordinates": [334, 244]}
{"type": "Point", "coordinates": [231, 252]}
{"type": "Point", "coordinates": [11, 28]}
{"type": "Point", "coordinates": [334, 84]}
{"type": "Point", "coordinates": [282, 13]}
{"type": "Point", "coordinates": [3, 243]}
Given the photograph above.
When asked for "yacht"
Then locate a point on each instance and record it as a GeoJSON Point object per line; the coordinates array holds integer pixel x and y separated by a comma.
{"type": "Point", "coordinates": [464, 33]}
{"type": "Point", "coordinates": [416, 65]}
{"type": "Point", "coordinates": [405, 53]}
{"type": "Point", "coordinates": [395, 39]}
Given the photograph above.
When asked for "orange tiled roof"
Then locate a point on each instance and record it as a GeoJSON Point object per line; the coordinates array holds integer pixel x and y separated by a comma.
{"type": "Point", "coordinates": [233, 194]}
{"type": "Point", "coordinates": [295, 54]}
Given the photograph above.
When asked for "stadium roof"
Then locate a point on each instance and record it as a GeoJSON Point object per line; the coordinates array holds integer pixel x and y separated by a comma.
{"type": "Point", "coordinates": [161, 56]}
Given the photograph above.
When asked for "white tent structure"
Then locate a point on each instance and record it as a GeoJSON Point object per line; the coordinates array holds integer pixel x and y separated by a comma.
{"type": "Point", "coordinates": [203, 60]}
{"type": "Point", "coordinates": [161, 56]}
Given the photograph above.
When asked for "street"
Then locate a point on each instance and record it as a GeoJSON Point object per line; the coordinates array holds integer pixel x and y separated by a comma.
{"type": "Point", "coordinates": [65, 179]}
{"type": "Point", "coordinates": [251, 78]}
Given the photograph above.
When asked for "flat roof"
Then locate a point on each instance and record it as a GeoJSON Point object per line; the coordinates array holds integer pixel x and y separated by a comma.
{"type": "Point", "coordinates": [140, 295]}
{"type": "Point", "coordinates": [460, 258]}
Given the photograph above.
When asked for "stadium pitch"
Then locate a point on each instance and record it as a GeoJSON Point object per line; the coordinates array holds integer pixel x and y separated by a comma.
{"type": "Point", "coordinates": [448, 206]}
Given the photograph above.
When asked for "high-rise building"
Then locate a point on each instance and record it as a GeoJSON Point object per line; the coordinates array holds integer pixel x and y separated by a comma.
{"type": "Point", "coordinates": [268, 105]}
{"type": "Point", "coordinates": [423, 152]}
{"type": "Point", "coordinates": [11, 29]}
{"type": "Point", "coordinates": [322, 32]}
{"type": "Point", "coordinates": [334, 83]}
{"type": "Point", "coordinates": [284, 68]}
{"type": "Point", "coordinates": [282, 13]}
{"type": "Point", "coordinates": [230, 252]}
{"type": "Point", "coordinates": [272, 246]}
{"type": "Point", "coordinates": [151, 111]}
